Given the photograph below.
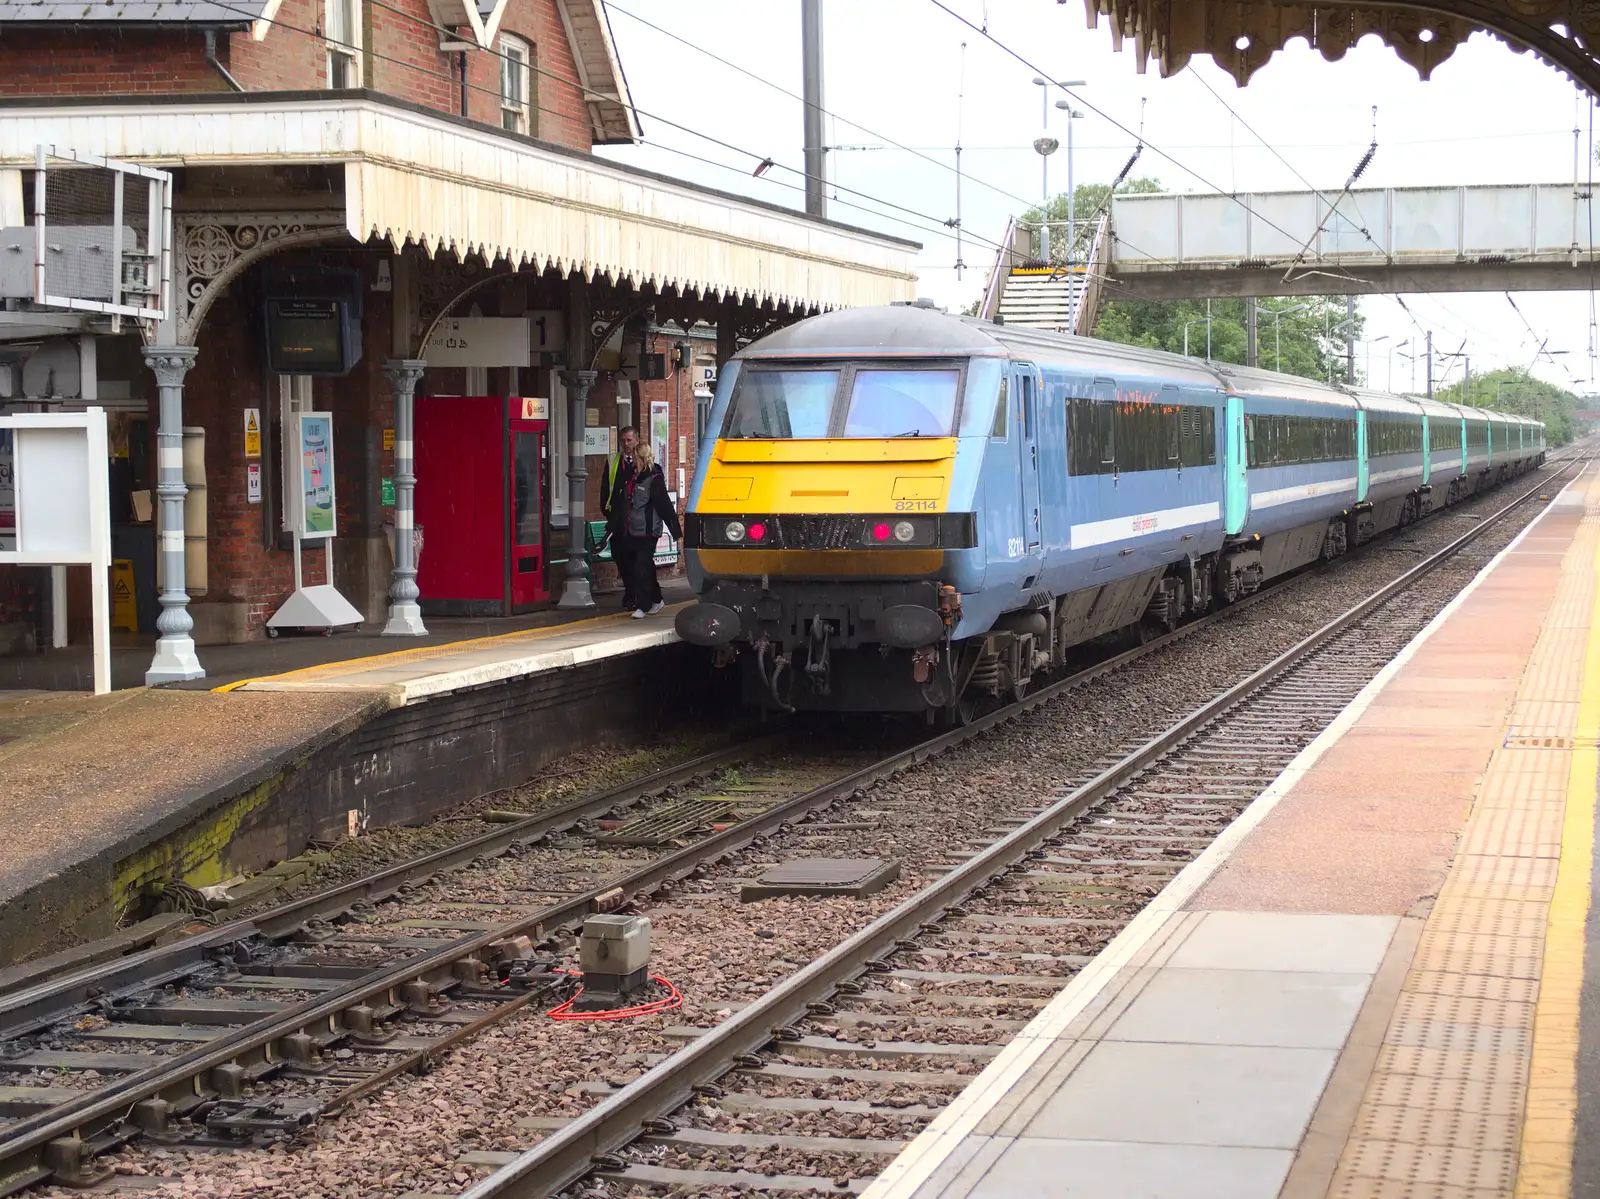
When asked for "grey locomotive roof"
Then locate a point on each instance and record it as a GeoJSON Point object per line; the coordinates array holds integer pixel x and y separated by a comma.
{"type": "Point", "coordinates": [139, 12]}
{"type": "Point", "coordinates": [903, 328]}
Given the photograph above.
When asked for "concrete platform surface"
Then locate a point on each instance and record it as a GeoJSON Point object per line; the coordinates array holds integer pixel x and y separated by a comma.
{"type": "Point", "coordinates": [72, 668]}
{"type": "Point", "coordinates": [1372, 985]}
{"type": "Point", "coordinates": [105, 797]}
{"type": "Point", "coordinates": [412, 674]}
{"type": "Point", "coordinates": [84, 774]}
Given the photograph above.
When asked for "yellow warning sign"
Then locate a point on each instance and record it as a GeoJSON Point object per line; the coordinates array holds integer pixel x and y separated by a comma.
{"type": "Point", "coordinates": [252, 433]}
{"type": "Point", "coordinates": [124, 608]}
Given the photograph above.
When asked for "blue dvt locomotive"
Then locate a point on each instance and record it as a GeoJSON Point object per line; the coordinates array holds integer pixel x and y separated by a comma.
{"type": "Point", "coordinates": [900, 510]}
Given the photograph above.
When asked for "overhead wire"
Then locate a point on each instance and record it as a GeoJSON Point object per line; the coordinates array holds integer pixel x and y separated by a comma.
{"type": "Point", "coordinates": [854, 124]}
{"type": "Point", "coordinates": [1105, 116]}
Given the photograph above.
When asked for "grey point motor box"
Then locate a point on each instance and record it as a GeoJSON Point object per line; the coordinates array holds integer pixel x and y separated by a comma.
{"type": "Point", "coordinates": [614, 955]}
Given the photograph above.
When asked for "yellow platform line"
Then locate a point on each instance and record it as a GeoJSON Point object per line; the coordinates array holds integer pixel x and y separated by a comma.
{"type": "Point", "coordinates": [430, 652]}
{"type": "Point", "coordinates": [1544, 1162]}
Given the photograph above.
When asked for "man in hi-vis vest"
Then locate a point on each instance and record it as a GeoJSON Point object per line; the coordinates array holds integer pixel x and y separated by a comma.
{"type": "Point", "coordinates": [620, 469]}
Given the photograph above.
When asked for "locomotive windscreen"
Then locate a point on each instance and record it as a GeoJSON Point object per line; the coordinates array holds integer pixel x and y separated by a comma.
{"type": "Point", "coordinates": [782, 404]}
{"type": "Point", "coordinates": [895, 403]}
{"type": "Point", "coordinates": [857, 401]}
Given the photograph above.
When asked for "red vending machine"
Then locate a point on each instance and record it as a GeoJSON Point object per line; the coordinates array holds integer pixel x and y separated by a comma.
{"type": "Point", "coordinates": [529, 455]}
{"type": "Point", "coordinates": [481, 502]}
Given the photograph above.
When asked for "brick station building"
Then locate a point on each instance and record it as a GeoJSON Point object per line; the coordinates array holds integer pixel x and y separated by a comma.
{"type": "Point", "coordinates": [427, 167]}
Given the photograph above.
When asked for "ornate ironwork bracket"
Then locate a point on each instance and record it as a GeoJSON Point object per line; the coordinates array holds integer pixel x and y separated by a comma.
{"type": "Point", "coordinates": [211, 250]}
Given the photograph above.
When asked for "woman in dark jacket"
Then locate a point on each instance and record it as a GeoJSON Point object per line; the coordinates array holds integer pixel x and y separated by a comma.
{"type": "Point", "coordinates": [637, 521]}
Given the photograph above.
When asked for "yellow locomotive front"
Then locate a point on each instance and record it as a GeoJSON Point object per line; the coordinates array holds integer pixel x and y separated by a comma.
{"type": "Point", "coordinates": [819, 526]}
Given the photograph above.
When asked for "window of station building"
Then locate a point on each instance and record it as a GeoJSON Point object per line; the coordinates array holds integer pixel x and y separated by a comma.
{"type": "Point", "coordinates": [516, 58]}
{"type": "Point", "coordinates": [1393, 435]}
{"type": "Point", "coordinates": [1274, 440]}
{"type": "Point", "coordinates": [342, 32]}
{"type": "Point", "coordinates": [1110, 436]}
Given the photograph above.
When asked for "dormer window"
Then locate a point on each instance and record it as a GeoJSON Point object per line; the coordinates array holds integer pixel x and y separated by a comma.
{"type": "Point", "coordinates": [342, 32]}
{"type": "Point", "coordinates": [516, 60]}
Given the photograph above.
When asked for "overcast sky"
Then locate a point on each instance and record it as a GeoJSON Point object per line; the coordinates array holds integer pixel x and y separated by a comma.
{"type": "Point", "coordinates": [1489, 115]}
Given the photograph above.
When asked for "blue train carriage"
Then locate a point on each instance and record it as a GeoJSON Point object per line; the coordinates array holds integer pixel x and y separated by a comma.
{"type": "Point", "coordinates": [1394, 470]}
{"type": "Point", "coordinates": [1293, 475]}
{"type": "Point", "coordinates": [1444, 431]}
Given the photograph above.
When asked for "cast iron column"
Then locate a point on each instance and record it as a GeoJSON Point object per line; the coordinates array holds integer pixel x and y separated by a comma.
{"type": "Point", "coordinates": [175, 659]}
{"type": "Point", "coordinates": [575, 591]}
{"type": "Point", "coordinates": [405, 613]}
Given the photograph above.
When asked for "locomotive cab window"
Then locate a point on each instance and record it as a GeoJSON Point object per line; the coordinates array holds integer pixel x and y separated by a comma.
{"type": "Point", "coordinates": [896, 403]}
{"type": "Point", "coordinates": [782, 404]}
{"type": "Point", "coordinates": [844, 400]}
{"type": "Point", "coordinates": [1001, 412]}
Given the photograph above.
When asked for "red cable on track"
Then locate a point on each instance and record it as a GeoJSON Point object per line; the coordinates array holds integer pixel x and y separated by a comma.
{"type": "Point", "coordinates": [673, 999]}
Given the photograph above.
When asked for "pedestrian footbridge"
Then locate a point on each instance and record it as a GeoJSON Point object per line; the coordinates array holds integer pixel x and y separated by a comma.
{"type": "Point", "coordinates": [1520, 237]}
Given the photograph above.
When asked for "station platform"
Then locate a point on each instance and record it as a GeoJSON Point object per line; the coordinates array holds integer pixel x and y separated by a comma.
{"type": "Point", "coordinates": [1373, 985]}
{"type": "Point", "coordinates": [72, 668]}
{"type": "Point", "coordinates": [106, 796]}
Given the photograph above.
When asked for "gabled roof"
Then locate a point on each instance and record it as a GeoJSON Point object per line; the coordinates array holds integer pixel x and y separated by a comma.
{"type": "Point", "coordinates": [132, 12]}
{"type": "Point", "coordinates": [599, 72]}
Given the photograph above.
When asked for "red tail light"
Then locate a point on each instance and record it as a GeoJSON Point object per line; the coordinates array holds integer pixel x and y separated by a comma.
{"type": "Point", "coordinates": [881, 532]}
{"type": "Point", "coordinates": [756, 531]}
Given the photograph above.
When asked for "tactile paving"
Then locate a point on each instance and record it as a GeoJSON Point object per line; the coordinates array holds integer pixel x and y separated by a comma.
{"type": "Point", "coordinates": [1442, 1116]}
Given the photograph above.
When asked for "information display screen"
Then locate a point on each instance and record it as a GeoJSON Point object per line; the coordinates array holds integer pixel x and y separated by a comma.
{"type": "Point", "coordinates": [306, 337]}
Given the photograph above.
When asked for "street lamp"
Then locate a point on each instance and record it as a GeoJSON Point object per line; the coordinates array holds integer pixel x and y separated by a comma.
{"type": "Point", "coordinates": [1389, 383]}
{"type": "Point", "coordinates": [1277, 331]}
{"type": "Point", "coordinates": [1072, 220]}
{"type": "Point", "coordinates": [1046, 146]}
{"type": "Point", "coordinates": [1367, 376]}
{"type": "Point", "coordinates": [1199, 320]}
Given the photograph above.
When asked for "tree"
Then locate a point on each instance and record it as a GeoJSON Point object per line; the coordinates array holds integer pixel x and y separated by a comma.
{"type": "Point", "coordinates": [1515, 390]}
{"type": "Point", "coordinates": [1309, 345]}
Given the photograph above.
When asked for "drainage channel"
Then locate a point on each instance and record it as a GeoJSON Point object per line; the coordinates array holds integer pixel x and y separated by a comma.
{"type": "Point", "coordinates": [820, 1082]}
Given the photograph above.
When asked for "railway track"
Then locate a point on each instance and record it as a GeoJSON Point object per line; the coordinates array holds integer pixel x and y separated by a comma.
{"type": "Point", "coordinates": [820, 1082]}
{"type": "Point", "coordinates": [254, 1029]}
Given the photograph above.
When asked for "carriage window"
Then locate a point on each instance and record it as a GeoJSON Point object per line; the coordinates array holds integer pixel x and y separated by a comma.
{"type": "Point", "coordinates": [1001, 411]}
{"type": "Point", "coordinates": [782, 404]}
{"type": "Point", "coordinates": [891, 403]}
{"type": "Point", "coordinates": [1272, 440]}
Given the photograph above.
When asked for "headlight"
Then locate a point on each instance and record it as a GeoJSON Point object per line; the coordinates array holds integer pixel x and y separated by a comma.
{"type": "Point", "coordinates": [904, 530]}
{"type": "Point", "coordinates": [733, 530]}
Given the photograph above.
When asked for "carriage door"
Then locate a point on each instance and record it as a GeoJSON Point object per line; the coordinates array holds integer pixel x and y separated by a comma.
{"type": "Point", "coordinates": [527, 449]}
{"type": "Point", "coordinates": [1025, 386]}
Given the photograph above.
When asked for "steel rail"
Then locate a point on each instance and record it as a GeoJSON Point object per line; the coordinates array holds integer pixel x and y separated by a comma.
{"type": "Point", "coordinates": [23, 1009]}
{"type": "Point", "coordinates": [567, 1155]}
{"type": "Point", "coordinates": [22, 1146]}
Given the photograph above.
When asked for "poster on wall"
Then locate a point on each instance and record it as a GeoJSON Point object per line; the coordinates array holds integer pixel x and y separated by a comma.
{"type": "Point", "coordinates": [660, 430]}
{"type": "Point", "coordinates": [315, 432]}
